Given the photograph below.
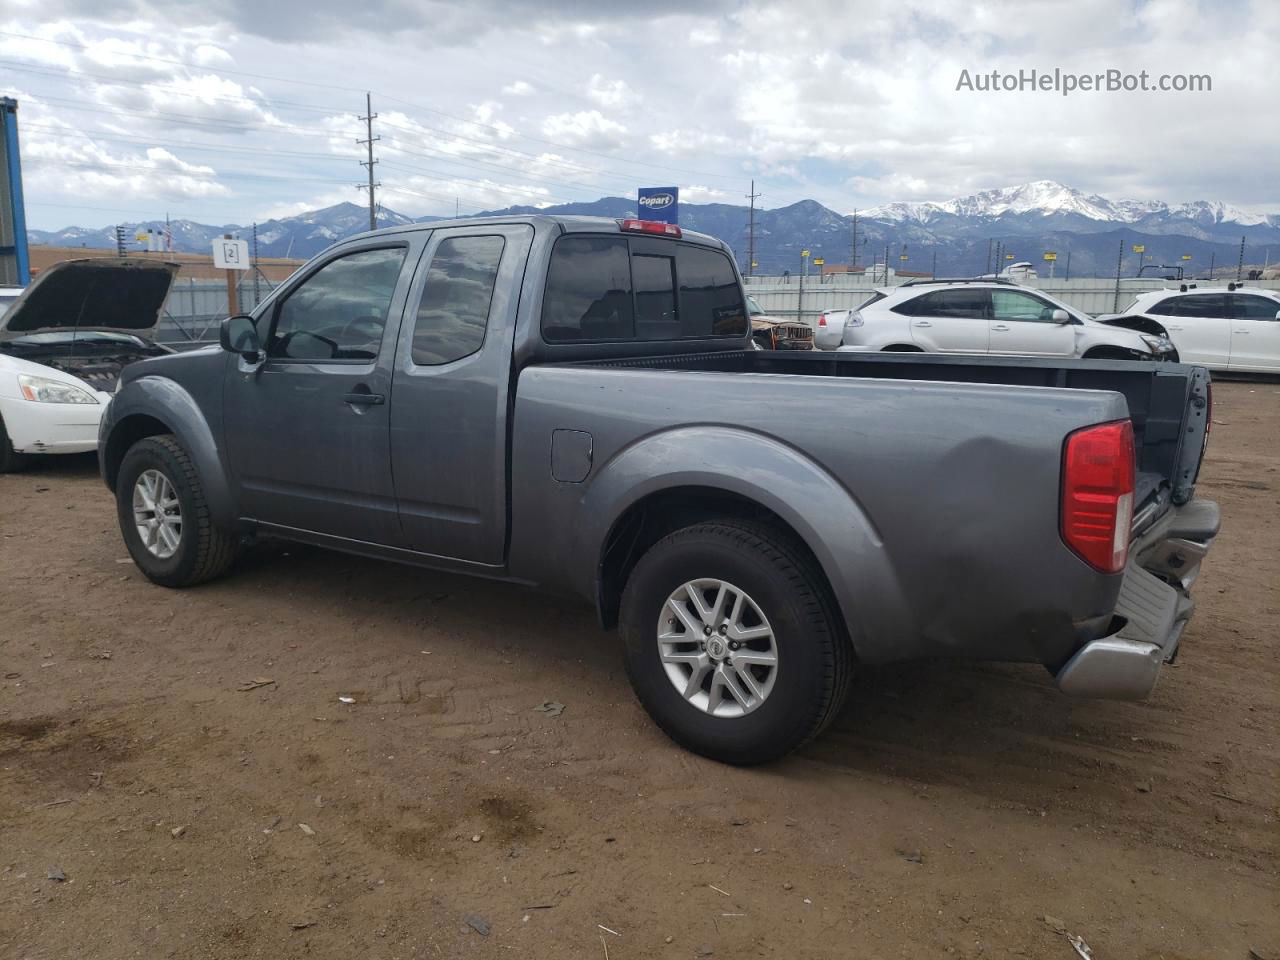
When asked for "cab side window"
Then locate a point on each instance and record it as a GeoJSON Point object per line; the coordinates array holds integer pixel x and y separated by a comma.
{"type": "Point", "coordinates": [454, 311]}
{"type": "Point", "coordinates": [340, 311]}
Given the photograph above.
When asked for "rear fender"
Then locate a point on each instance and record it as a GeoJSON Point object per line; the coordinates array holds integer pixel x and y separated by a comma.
{"type": "Point", "coordinates": [810, 500]}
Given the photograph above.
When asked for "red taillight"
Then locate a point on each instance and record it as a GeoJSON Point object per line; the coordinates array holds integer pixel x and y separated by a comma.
{"type": "Point", "coordinates": [650, 226]}
{"type": "Point", "coordinates": [1097, 494]}
{"type": "Point", "coordinates": [822, 319]}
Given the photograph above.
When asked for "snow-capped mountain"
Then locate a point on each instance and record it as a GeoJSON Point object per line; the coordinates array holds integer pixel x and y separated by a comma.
{"type": "Point", "coordinates": [1048, 198]}
{"type": "Point", "coordinates": [955, 236]}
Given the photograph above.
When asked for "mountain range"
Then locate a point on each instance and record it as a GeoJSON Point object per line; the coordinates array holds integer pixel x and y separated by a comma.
{"type": "Point", "coordinates": [1087, 231]}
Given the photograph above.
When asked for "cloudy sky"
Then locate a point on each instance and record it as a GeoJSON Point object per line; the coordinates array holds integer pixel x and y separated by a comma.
{"type": "Point", "coordinates": [232, 110]}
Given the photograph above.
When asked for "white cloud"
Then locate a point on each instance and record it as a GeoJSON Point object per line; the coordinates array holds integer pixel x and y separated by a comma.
{"type": "Point", "coordinates": [613, 94]}
{"type": "Point", "coordinates": [519, 88]}
{"type": "Point", "coordinates": [587, 128]}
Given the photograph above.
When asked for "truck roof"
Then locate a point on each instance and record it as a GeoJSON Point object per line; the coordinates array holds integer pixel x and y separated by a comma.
{"type": "Point", "coordinates": [567, 224]}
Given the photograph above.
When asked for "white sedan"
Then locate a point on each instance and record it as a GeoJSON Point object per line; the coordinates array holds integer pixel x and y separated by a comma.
{"type": "Point", "coordinates": [63, 342]}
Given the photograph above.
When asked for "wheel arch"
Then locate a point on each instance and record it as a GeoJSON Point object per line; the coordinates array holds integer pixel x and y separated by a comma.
{"type": "Point", "coordinates": [651, 489]}
{"type": "Point", "coordinates": [150, 406]}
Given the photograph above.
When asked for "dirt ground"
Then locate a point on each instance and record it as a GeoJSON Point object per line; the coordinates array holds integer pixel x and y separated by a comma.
{"type": "Point", "coordinates": [949, 813]}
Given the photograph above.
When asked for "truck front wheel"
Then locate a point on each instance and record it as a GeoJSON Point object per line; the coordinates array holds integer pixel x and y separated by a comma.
{"type": "Point", "coordinates": [164, 518]}
{"type": "Point", "coordinates": [731, 642]}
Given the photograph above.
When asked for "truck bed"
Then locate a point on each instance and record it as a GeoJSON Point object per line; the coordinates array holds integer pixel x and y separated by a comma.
{"type": "Point", "coordinates": [1167, 402]}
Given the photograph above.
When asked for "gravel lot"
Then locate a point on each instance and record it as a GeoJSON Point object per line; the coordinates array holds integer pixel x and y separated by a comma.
{"type": "Point", "coordinates": [955, 810]}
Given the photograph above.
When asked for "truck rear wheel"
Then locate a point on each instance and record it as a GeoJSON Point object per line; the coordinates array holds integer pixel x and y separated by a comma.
{"type": "Point", "coordinates": [731, 642]}
{"type": "Point", "coordinates": [164, 518]}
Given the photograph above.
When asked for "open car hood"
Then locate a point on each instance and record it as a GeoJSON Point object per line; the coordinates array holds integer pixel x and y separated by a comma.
{"type": "Point", "coordinates": [119, 294]}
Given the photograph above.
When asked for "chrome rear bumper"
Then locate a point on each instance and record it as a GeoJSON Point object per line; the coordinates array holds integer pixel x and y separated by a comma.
{"type": "Point", "coordinates": [1152, 611]}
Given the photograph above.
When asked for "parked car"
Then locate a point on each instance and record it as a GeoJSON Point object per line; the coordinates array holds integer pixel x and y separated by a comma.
{"type": "Point", "coordinates": [63, 341]}
{"type": "Point", "coordinates": [1229, 328]}
{"type": "Point", "coordinates": [983, 317]}
{"type": "Point", "coordinates": [774, 333]}
{"type": "Point", "coordinates": [576, 403]}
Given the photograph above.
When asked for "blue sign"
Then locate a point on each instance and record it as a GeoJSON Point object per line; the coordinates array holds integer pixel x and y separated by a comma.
{"type": "Point", "coordinates": [659, 203]}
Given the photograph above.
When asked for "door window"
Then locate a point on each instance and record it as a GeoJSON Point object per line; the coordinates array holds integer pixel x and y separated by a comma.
{"type": "Point", "coordinates": [1248, 306]}
{"type": "Point", "coordinates": [454, 312]}
{"type": "Point", "coordinates": [1202, 305]}
{"type": "Point", "coordinates": [970, 304]}
{"type": "Point", "coordinates": [1009, 305]}
{"type": "Point", "coordinates": [340, 311]}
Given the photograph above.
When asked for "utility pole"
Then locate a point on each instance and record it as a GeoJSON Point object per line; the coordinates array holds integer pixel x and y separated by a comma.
{"type": "Point", "coordinates": [168, 234]}
{"type": "Point", "coordinates": [256, 298]}
{"type": "Point", "coordinates": [1213, 255]}
{"type": "Point", "coordinates": [933, 273]}
{"type": "Point", "coordinates": [990, 244]}
{"type": "Point", "coordinates": [120, 250]}
{"type": "Point", "coordinates": [1068, 276]}
{"type": "Point", "coordinates": [1240, 262]}
{"type": "Point", "coordinates": [1119, 266]}
{"type": "Point", "coordinates": [804, 259]}
{"type": "Point", "coordinates": [751, 230]}
{"type": "Point", "coordinates": [853, 245]}
{"type": "Point", "coordinates": [369, 141]}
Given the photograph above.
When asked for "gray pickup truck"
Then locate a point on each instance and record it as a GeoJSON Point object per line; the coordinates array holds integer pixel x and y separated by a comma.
{"type": "Point", "coordinates": [576, 403]}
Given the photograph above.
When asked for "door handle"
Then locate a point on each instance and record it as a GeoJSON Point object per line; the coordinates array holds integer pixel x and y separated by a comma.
{"type": "Point", "coordinates": [1239, 331]}
{"type": "Point", "coordinates": [999, 326]}
{"type": "Point", "coordinates": [1172, 327]}
{"type": "Point", "coordinates": [365, 397]}
{"type": "Point", "coordinates": [923, 323]}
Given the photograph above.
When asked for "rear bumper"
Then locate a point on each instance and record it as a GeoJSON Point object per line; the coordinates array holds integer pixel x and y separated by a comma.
{"type": "Point", "coordinates": [1152, 612]}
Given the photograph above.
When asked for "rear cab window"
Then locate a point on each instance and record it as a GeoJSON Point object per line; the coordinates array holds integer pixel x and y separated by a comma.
{"type": "Point", "coordinates": [605, 288]}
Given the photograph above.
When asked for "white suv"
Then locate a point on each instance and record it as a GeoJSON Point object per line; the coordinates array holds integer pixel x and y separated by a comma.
{"type": "Point", "coordinates": [1225, 328]}
{"type": "Point", "coordinates": [982, 317]}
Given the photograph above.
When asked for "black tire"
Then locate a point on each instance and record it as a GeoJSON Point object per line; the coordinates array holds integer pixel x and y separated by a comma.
{"type": "Point", "coordinates": [11, 461]}
{"type": "Point", "coordinates": [815, 657]}
{"type": "Point", "coordinates": [204, 550]}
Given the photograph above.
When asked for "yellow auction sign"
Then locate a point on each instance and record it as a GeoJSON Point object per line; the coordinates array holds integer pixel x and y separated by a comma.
{"type": "Point", "coordinates": [1050, 255]}
{"type": "Point", "coordinates": [1139, 248]}
{"type": "Point", "coordinates": [818, 261]}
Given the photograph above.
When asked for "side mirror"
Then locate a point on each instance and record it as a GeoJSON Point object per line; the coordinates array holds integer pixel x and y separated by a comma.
{"type": "Point", "coordinates": [1278, 314]}
{"type": "Point", "coordinates": [239, 335]}
{"type": "Point", "coordinates": [1060, 316]}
